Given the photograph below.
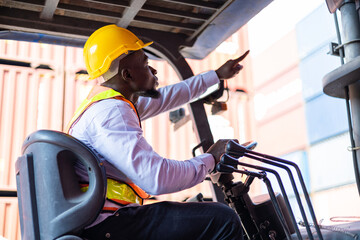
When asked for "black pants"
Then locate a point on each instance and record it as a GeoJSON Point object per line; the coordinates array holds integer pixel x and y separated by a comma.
{"type": "Point", "coordinates": [170, 220]}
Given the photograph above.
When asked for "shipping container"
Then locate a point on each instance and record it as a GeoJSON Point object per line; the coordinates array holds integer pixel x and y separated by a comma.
{"type": "Point", "coordinates": [278, 96]}
{"type": "Point", "coordinates": [313, 68]}
{"type": "Point", "coordinates": [325, 117]}
{"type": "Point", "coordinates": [275, 61]}
{"type": "Point", "coordinates": [315, 31]}
{"type": "Point", "coordinates": [284, 134]}
{"type": "Point", "coordinates": [330, 163]}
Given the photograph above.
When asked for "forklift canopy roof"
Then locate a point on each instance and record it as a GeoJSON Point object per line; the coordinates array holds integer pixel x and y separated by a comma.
{"type": "Point", "coordinates": [195, 27]}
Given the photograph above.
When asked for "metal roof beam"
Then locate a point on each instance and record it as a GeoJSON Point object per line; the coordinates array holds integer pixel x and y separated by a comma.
{"type": "Point", "coordinates": [185, 26]}
{"type": "Point", "coordinates": [25, 5]}
{"type": "Point", "coordinates": [119, 7]}
{"type": "Point", "coordinates": [130, 13]}
{"type": "Point", "coordinates": [60, 25]}
{"type": "Point", "coordinates": [49, 9]}
{"type": "Point", "coordinates": [72, 11]}
{"type": "Point", "coordinates": [122, 3]}
{"type": "Point", "coordinates": [75, 11]}
{"type": "Point", "coordinates": [205, 24]}
{"type": "Point", "coordinates": [175, 13]}
{"type": "Point", "coordinates": [209, 5]}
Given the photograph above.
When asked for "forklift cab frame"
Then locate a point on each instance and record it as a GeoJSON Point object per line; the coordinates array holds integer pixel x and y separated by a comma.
{"type": "Point", "coordinates": [179, 28]}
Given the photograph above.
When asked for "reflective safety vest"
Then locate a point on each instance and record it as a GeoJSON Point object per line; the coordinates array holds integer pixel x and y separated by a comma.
{"type": "Point", "coordinates": [119, 192]}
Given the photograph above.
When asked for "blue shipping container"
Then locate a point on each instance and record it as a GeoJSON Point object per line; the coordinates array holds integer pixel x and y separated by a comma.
{"type": "Point", "coordinates": [315, 31]}
{"type": "Point", "coordinates": [325, 117]}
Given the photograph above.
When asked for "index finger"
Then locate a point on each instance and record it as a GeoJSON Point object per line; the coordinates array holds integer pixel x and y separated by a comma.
{"type": "Point", "coordinates": [239, 59]}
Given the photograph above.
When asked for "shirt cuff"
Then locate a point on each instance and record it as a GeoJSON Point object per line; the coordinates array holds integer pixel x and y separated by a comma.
{"type": "Point", "coordinates": [208, 160]}
{"type": "Point", "coordinates": [211, 78]}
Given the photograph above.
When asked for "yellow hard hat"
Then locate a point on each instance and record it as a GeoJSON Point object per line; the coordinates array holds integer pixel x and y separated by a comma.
{"type": "Point", "coordinates": [105, 45]}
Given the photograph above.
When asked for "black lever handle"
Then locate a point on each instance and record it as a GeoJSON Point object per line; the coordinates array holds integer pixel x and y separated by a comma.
{"type": "Point", "coordinates": [225, 159]}
{"type": "Point", "coordinates": [237, 150]}
{"type": "Point", "coordinates": [224, 168]}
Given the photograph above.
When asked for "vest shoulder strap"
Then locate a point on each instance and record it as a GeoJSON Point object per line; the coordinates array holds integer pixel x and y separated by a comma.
{"type": "Point", "coordinates": [98, 93]}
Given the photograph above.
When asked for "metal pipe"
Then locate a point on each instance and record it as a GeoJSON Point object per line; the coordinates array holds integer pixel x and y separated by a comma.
{"type": "Point", "coordinates": [358, 7]}
{"type": "Point", "coordinates": [338, 35]}
{"type": "Point", "coordinates": [352, 141]}
{"type": "Point", "coordinates": [351, 37]}
{"type": "Point", "coordinates": [351, 30]}
{"type": "Point", "coordinates": [348, 109]}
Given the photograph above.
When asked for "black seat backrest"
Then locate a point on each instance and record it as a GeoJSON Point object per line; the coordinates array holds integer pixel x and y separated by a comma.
{"type": "Point", "coordinates": [51, 204]}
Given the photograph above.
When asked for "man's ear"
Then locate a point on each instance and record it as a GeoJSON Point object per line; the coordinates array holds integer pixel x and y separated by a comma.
{"type": "Point", "coordinates": [125, 74]}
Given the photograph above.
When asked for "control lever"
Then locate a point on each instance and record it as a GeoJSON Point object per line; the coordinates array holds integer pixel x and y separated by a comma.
{"type": "Point", "coordinates": [228, 159]}
{"type": "Point", "coordinates": [238, 150]}
{"type": "Point", "coordinates": [227, 165]}
{"type": "Point", "coordinates": [224, 168]}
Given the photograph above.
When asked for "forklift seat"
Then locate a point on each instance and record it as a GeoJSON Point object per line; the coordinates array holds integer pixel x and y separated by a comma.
{"type": "Point", "coordinates": [51, 204]}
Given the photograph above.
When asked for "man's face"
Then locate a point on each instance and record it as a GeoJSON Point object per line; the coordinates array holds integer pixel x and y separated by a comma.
{"type": "Point", "coordinates": [144, 81]}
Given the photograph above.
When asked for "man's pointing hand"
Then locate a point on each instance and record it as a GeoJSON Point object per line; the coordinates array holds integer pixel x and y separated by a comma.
{"type": "Point", "coordinates": [231, 67]}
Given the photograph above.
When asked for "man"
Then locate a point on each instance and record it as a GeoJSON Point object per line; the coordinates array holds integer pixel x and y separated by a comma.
{"type": "Point", "coordinates": [109, 122]}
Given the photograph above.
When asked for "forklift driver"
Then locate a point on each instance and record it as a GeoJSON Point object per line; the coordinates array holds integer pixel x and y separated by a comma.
{"type": "Point", "coordinates": [109, 122]}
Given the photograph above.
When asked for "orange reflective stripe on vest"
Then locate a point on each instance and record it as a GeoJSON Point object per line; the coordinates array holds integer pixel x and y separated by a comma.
{"type": "Point", "coordinates": [123, 193]}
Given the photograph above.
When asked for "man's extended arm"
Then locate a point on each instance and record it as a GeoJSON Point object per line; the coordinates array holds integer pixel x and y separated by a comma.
{"type": "Point", "coordinates": [178, 94]}
{"type": "Point", "coordinates": [175, 95]}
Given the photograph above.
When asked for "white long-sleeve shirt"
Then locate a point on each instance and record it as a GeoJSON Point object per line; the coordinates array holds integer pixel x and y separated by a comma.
{"type": "Point", "coordinates": [111, 129]}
